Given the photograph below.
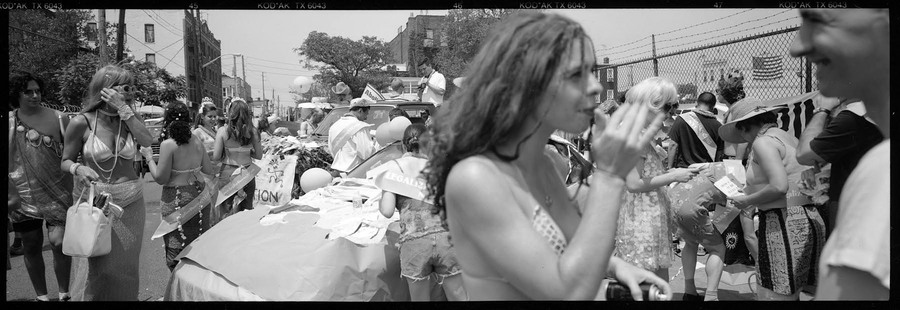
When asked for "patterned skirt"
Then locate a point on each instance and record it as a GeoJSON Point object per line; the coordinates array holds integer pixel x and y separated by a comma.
{"type": "Point", "coordinates": [173, 198]}
{"type": "Point", "coordinates": [790, 244]}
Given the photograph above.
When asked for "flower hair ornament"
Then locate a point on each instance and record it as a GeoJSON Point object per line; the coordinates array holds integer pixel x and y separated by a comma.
{"type": "Point", "coordinates": [734, 75]}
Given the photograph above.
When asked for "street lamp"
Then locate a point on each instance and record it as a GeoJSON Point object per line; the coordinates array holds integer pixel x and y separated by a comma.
{"type": "Point", "coordinates": [233, 70]}
{"type": "Point", "coordinates": [217, 58]}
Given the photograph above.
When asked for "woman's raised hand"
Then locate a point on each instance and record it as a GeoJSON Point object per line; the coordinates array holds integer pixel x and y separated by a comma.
{"type": "Point", "coordinates": [619, 141]}
{"type": "Point", "coordinates": [112, 97]}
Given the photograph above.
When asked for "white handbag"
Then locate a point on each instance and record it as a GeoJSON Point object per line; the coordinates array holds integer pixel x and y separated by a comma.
{"type": "Point", "coordinates": [88, 232]}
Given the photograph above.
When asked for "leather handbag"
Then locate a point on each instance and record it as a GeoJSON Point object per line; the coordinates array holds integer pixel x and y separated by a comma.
{"type": "Point", "coordinates": [88, 232]}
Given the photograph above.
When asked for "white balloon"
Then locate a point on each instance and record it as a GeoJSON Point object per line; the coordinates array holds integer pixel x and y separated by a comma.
{"type": "Point", "coordinates": [314, 178]}
{"type": "Point", "coordinates": [398, 126]}
{"type": "Point", "coordinates": [302, 84]}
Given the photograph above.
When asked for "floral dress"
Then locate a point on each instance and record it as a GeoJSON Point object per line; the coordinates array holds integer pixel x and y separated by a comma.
{"type": "Point", "coordinates": [644, 233]}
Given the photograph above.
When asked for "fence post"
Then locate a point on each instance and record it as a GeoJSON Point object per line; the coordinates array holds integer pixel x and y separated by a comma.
{"type": "Point", "coordinates": [655, 60]}
{"type": "Point", "coordinates": [808, 75]}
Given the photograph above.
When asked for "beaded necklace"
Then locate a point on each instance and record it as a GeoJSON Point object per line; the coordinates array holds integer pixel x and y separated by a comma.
{"type": "Point", "coordinates": [115, 147]}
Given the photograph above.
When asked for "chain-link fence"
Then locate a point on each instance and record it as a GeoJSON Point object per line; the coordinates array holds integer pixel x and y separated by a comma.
{"type": "Point", "coordinates": [768, 68]}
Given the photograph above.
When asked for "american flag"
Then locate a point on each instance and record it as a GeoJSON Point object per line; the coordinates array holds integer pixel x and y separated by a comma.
{"type": "Point", "coordinates": [767, 67]}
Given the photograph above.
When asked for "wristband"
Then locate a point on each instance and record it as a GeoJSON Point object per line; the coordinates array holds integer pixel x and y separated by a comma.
{"type": "Point", "coordinates": [820, 109]}
{"type": "Point", "coordinates": [73, 168]}
{"type": "Point", "coordinates": [125, 112]}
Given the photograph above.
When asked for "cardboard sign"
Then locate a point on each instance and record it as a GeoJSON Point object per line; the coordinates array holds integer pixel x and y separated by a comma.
{"type": "Point", "coordinates": [275, 180]}
{"type": "Point", "coordinates": [372, 94]}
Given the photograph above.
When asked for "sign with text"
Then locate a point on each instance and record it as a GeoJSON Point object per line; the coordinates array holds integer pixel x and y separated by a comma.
{"type": "Point", "coordinates": [275, 180]}
{"type": "Point", "coordinates": [372, 94]}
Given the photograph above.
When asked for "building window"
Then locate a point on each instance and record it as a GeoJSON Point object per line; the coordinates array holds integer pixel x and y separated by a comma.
{"type": "Point", "coordinates": [151, 58]}
{"type": "Point", "coordinates": [149, 33]}
{"type": "Point", "coordinates": [610, 94]}
{"type": "Point", "coordinates": [429, 38]}
{"type": "Point", "coordinates": [92, 32]}
{"type": "Point", "coordinates": [721, 73]}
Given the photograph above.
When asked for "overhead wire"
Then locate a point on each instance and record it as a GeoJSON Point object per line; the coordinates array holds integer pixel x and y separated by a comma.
{"type": "Point", "coordinates": [722, 36]}
{"type": "Point", "coordinates": [150, 48]}
{"type": "Point", "coordinates": [721, 29]}
{"type": "Point", "coordinates": [704, 23]}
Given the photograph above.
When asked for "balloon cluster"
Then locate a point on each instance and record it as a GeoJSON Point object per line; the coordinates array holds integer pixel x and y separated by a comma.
{"type": "Point", "coordinates": [389, 132]}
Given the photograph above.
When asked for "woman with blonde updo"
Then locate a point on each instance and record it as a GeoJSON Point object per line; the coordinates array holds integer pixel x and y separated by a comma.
{"type": "Point", "coordinates": [644, 234]}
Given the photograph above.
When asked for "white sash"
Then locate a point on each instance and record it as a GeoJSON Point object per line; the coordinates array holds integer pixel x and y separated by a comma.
{"type": "Point", "coordinates": [344, 136]}
{"type": "Point", "coordinates": [694, 122]}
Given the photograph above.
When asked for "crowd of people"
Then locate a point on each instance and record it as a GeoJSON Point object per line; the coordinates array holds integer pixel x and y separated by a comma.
{"type": "Point", "coordinates": [498, 223]}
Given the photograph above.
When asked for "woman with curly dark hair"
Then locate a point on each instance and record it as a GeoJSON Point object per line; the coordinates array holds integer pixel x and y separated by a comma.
{"type": "Point", "coordinates": [183, 171]}
{"type": "Point", "coordinates": [45, 192]}
{"type": "Point", "coordinates": [517, 232]}
{"type": "Point", "coordinates": [237, 144]}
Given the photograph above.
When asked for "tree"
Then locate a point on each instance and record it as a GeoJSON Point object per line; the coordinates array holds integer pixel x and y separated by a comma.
{"type": "Point", "coordinates": [355, 63]}
{"type": "Point", "coordinates": [155, 85]}
{"type": "Point", "coordinates": [43, 41]}
{"type": "Point", "coordinates": [465, 29]}
{"type": "Point", "coordinates": [53, 43]}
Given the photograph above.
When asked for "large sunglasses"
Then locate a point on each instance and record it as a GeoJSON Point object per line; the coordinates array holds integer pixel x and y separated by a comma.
{"type": "Point", "coordinates": [669, 107]}
{"type": "Point", "coordinates": [32, 92]}
{"type": "Point", "coordinates": [125, 87]}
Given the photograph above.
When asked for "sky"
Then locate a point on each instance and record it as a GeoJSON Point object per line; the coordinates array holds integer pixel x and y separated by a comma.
{"type": "Point", "coordinates": [267, 38]}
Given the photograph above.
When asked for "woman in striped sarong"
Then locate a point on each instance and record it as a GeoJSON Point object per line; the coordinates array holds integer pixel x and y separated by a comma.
{"type": "Point", "coordinates": [791, 231]}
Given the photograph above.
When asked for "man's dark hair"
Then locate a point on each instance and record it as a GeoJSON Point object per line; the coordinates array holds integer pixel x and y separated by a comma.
{"type": "Point", "coordinates": [707, 98]}
{"type": "Point", "coordinates": [363, 109]}
{"type": "Point", "coordinates": [426, 61]}
{"type": "Point", "coordinates": [18, 83]}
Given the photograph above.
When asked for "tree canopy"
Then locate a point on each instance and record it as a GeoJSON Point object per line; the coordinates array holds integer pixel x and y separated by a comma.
{"type": "Point", "coordinates": [340, 59]}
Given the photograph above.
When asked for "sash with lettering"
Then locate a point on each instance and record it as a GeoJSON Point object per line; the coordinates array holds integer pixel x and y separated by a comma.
{"type": "Point", "coordinates": [238, 179]}
{"type": "Point", "coordinates": [184, 214]}
{"type": "Point", "coordinates": [344, 136]}
{"type": "Point", "coordinates": [693, 122]}
{"type": "Point", "coordinates": [401, 184]}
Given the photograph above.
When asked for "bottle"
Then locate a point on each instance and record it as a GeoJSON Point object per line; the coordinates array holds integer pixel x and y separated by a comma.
{"type": "Point", "coordinates": [616, 291]}
{"type": "Point", "coordinates": [357, 201]}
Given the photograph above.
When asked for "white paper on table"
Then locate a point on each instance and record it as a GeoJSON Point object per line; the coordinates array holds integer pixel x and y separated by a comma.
{"type": "Point", "coordinates": [736, 169]}
{"type": "Point", "coordinates": [728, 186]}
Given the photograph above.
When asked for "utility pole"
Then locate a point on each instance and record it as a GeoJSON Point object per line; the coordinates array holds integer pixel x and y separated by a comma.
{"type": "Point", "coordinates": [101, 35]}
{"type": "Point", "coordinates": [199, 60]}
{"type": "Point", "coordinates": [264, 85]}
{"type": "Point", "coordinates": [120, 37]}
{"type": "Point", "coordinates": [237, 87]}
{"type": "Point", "coordinates": [655, 61]}
{"type": "Point", "coordinates": [244, 75]}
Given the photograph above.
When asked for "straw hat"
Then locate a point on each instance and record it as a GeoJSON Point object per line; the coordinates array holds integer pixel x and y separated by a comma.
{"type": "Point", "coordinates": [743, 110]}
{"type": "Point", "coordinates": [360, 102]}
{"type": "Point", "coordinates": [340, 89]}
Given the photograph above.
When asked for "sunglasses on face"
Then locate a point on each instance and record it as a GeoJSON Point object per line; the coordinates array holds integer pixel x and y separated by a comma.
{"type": "Point", "coordinates": [669, 107]}
{"type": "Point", "coordinates": [31, 92]}
{"type": "Point", "coordinates": [126, 88]}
